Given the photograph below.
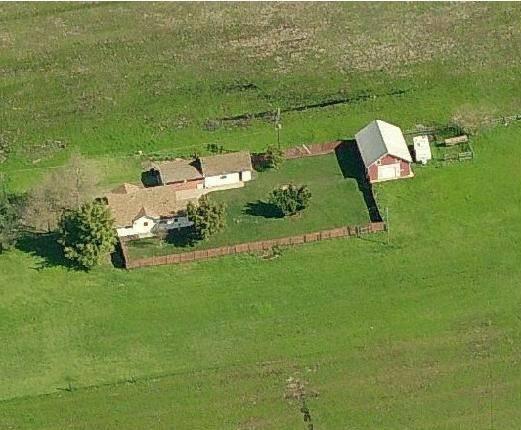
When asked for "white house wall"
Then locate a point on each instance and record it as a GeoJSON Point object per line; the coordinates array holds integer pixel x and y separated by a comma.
{"type": "Point", "coordinates": [216, 181]}
{"type": "Point", "coordinates": [246, 176]}
{"type": "Point", "coordinates": [153, 225]}
{"type": "Point", "coordinates": [177, 222]}
{"type": "Point", "coordinates": [141, 227]}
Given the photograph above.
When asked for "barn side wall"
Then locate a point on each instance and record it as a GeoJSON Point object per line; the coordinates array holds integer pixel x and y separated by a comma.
{"type": "Point", "coordinates": [372, 170]}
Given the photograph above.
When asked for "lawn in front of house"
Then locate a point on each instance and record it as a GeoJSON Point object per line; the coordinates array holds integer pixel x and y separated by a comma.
{"type": "Point", "coordinates": [336, 201]}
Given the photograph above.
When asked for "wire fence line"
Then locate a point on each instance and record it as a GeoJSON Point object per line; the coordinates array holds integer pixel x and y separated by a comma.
{"type": "Point", "coordinates": [143, 156]}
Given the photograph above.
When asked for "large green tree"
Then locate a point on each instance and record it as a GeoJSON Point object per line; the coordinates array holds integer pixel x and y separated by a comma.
{"type": "Point", "coordinates": [290, 199]}
{"type": "Point", "coordinates": [87, 234]}
{"type": "Point", "coordinates": [208, 218]}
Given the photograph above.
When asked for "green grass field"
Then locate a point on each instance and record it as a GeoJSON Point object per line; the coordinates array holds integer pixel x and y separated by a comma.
{"type": "Point", "coordinates": [422, 333]}
{"type": "Point", "coordinates": [336, 201]}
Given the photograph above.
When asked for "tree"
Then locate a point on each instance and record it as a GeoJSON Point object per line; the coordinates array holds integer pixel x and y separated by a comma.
{"type": "Point", "coordinates": [87, 234]}
{"type": "Point", "coordinates": [64, 188]}
{"type": "Point", "coordinates": [274, 157]}
{"type": "Point", "coordinates": [208, 218]}
{"type": "Point", "coordinates": [10, 208]}
{"type": "Point", "coordinates": [290, 199]}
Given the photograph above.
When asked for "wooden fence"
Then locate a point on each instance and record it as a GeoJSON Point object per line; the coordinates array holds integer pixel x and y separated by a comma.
{"type": "Point", "coordinates": [262, 245]}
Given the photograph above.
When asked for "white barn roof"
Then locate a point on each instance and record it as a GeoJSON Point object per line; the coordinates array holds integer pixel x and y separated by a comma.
{"type": "Point", "coordinates": [379, 138]}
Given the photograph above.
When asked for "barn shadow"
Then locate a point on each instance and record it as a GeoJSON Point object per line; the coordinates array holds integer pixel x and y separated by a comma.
{"type": "Point", "coordinates": [46, 247]}
{"type": "Point", "coordinates": [352, 166]}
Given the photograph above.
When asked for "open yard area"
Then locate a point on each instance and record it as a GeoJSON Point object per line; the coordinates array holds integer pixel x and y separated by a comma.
{"type": "Point", "coordinates": [336, 201]}
{"type": "Point", "coordinates": [422, 333]}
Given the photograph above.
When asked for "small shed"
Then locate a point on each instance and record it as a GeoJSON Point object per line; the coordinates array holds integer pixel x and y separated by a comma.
{"type": "Point", "coordinates": [422, 149]}
{"type": "Point", "coordinates": [226, 169]}
{"type": "Point", "coordinates": [384, 152]}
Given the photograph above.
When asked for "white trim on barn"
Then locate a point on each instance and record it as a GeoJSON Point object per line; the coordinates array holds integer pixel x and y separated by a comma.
{"type": "Point", "coordinates": [380, 138]}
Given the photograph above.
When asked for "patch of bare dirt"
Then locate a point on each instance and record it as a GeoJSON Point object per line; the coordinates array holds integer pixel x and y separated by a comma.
{"type": "Point", "coordinates": [298, 389]}
{"type": "Point", "coordinates": [253, 423]}
{"type": "Point", "coordinates": [6, 39]}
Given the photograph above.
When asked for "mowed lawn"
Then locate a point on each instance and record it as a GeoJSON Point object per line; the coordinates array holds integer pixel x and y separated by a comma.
{"type": "Point", "coordinates": [336, 201]}
{"type": "Point", "coordinates": [423, 333]}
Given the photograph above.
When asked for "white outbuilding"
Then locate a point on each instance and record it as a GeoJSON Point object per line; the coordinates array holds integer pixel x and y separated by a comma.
{"type": "Point", "coordinates": [229, 169]}
{"type": "Point", "coordinates": [422, 149]}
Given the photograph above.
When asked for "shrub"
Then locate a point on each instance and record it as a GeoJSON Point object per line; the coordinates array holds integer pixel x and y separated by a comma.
{"type": "Point", "coordinates": [208, 218]}
{"type": "Point", "coordinates": [214, 148]}
{"type": "Point", "coordinates": [290, 199]}
{"type": "Point", "coordinates": [274, 157]}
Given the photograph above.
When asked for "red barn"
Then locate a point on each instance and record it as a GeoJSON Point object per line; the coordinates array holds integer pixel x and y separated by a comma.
{"type": "Point", "coordinates": [384, 152]}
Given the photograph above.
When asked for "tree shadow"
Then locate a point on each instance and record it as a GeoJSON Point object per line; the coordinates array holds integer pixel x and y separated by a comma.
{"type": "Point", "coordinates": [352, 166]}
{"type": "Point", "coordinates": [116, 256]}
{"type": "Point", "coordinates": [45, 246]}
{"type": "Point", "coordinates": [259, 162]}
{"type": "Point", "coordinates": [262, 209]}
{"type": "Point", "coordinates": [180, 237]}
{"type": "Point", "coordinates": [150, 178]}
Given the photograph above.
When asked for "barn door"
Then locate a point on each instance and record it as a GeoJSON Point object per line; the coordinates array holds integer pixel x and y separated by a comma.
{"type": "Point", "coordinates": [389, 171]}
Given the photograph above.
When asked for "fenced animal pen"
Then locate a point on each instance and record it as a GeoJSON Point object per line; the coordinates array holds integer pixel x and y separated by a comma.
{"type": "Point", "coordinates": [448, 143]}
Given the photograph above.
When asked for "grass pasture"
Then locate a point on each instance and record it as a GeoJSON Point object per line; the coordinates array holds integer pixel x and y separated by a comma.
{"type": "Point", "coordinates": [336, 201]}
{"type": "Point", "coordinates": [423, 333]}
{"type": "Point", "coordinates": [112, 79]}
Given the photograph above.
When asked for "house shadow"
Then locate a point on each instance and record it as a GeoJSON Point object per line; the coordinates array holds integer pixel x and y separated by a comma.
{"type": "Point", "coordinates": [45, 246]}
{"type": "Point", "coordinates": [352, 166]}
{"type": "Point", "coordinates": [262, 209]}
